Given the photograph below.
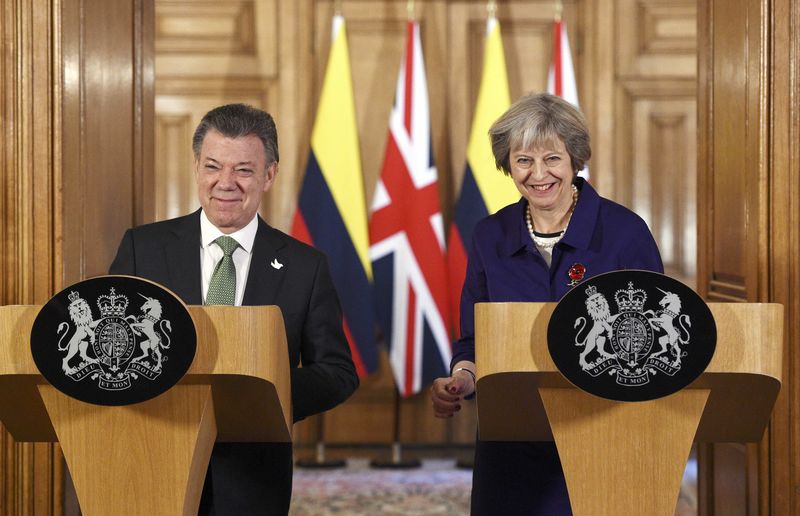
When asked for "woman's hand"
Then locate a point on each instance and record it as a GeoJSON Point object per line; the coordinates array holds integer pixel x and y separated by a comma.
{"type": "Point", "coordinates": [447, 393]}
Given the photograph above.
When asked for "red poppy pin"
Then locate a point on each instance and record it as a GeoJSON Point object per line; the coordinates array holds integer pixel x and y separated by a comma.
{"type": "Point", "coordinates": [576, 274]}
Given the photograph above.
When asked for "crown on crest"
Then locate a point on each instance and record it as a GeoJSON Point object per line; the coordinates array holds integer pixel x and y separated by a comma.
{"type": "Point", "coordinates": [591, 290]}
{"type": "Point", "coordinates": [73, 296]}
{"type": "Point", "coordinates": [112, 305]}
{"type": "Point", "coordinates": [631, 300]}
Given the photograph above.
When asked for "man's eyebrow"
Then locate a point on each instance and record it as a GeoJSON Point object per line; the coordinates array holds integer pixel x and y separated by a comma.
{"type": "Point", "coordinates": [248, 163]}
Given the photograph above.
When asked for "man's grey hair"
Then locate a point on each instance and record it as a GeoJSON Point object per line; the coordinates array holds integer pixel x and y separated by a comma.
{"type": "Point", "coordinates": [538, 120]}
{"type": "Point", "coordinates": [236, 121]}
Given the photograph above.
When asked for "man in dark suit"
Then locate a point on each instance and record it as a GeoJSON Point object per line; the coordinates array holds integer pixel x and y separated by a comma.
{"type": "Point", "coordinates": [235, 163]}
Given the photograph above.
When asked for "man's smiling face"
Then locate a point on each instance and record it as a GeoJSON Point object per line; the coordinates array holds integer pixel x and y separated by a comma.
{"type": "Point", "coordinates": [232, 175]}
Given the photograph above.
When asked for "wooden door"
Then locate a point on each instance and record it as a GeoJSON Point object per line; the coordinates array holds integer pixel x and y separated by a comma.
{"type": "Point", "coordinates": [76, 152]}
{"type": "Point", "coordinates": [748, 218]}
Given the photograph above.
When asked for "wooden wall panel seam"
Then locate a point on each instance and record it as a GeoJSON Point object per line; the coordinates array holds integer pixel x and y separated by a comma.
{"type": "Point", "coordinates": [794, 196]}
{"type": "Point", "coordinates": [785, 237]}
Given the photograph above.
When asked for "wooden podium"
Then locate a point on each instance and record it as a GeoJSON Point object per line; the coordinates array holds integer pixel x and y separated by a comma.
{"type": "Point", "coordinates": [151, 457]}
{"type": "Point", "coordinates": [624, 458]}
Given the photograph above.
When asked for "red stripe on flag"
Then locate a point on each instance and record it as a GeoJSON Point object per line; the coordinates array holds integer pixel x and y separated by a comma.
{"type": "Point", "coordinates": [410, 325]}
{"type": "Point", "coordinates": [557, 66]}
{"type": "Point", "coordinates": [410, 211]}
{"type": "Point", "coordinates": [357, 360]}
{"type": "Point", "coordinates": [300, 229]}
{"type": "Point", "coordinates": [409, 69]}
{"type": "Point", "coordinates": [457, 271]}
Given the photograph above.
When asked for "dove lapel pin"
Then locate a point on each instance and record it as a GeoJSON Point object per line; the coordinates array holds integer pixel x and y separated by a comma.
{"type": "Point", "coordinates": [276, 264]}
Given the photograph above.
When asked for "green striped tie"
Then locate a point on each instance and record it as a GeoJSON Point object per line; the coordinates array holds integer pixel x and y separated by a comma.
{"type": "Point", "coordinates": [222, 288]}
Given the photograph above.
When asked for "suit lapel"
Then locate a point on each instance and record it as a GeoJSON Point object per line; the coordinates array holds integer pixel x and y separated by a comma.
{"type": "Point", "coordinates": [182, 255]}
{"type": "Point", "coordinates": [264, 279]}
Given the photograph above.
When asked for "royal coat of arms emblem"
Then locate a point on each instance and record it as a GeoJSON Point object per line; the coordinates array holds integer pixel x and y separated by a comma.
{"type": "Point", "coordinates": [643, 342]}
{"type": "Point", "coordinates": [631, 334]}
{"type": "Point", "coordinates": [105, 347]}
{"type": "Point", "coordinates": [115, 335]}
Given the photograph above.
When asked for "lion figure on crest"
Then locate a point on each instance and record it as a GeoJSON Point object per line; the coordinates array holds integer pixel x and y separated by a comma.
{"type": "Point", "coordinates": [600, 312]}
{"type": "Point", "coordinates": [151, 325]}
{"type": "Point", "coordinates": [81, 315]}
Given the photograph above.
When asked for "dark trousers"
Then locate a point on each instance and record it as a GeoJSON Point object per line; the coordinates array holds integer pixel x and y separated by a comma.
{"type": "Point", "coordinates": [248, 479]}
{"type": "Point", "coordinates": [522, 478]}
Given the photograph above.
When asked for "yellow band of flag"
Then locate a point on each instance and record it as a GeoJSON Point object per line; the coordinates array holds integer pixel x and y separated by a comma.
{"type": "Point", "coordinates": [334, 141]}
{"type": "Point", "coordinates": [494, 99]}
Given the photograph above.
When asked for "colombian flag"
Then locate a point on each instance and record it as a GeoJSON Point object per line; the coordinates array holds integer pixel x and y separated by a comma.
{"type": "Point", "coordinates": [332, 213]}
{"type": "Point", "coordinates": [484, 189]}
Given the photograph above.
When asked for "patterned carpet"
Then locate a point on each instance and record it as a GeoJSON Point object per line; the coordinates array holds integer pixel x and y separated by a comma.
{"type": "Point", "coordinates": [436, 488]}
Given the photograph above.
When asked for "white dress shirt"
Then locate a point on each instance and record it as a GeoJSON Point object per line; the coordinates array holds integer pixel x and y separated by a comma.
{"type": "Point", "coordinates": [211, 254]}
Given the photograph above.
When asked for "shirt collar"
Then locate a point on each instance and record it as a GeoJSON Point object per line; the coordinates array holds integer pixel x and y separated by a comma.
{"type": "Point", "coordinates": [245, 236]}
{"type": "Point", "coordinates": [580, 229]}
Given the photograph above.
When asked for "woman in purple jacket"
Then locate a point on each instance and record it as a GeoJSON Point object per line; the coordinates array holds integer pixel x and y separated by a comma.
{"type": "Point", "coordinates": [560, 232]}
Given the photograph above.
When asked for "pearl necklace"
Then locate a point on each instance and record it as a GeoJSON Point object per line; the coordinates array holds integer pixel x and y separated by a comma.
{"type": "Point", "coordinates": [548, 242]}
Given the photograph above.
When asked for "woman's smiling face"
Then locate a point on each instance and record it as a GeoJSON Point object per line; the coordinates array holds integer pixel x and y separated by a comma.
{"type": "Point", "coordinates": [543, 175]}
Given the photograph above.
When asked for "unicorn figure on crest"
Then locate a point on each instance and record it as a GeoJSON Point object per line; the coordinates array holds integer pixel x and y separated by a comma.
{"type": "Point", "coordinates": [672, 340]}
{"type": "Point", "coordinates": [148, 323]}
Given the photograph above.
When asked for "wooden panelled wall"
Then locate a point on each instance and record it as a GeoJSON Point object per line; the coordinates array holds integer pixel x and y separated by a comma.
{"type": "Point", "coordinates": [31, 473]}
{"type": "Point", "coordinates": [749, 222]}
{"type": "Point", "coordinates": [79, 134]}
{"type": "Point", "coordinates": [76, 138]}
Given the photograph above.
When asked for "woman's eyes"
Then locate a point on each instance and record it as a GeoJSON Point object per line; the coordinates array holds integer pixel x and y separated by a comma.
{"type": "Point", "coordinates": [527, 162]}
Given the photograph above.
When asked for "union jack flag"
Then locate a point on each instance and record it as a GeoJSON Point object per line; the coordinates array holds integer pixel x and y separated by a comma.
{"type": "Point", "coordinates": [406, 236]}
{"type": "Point", "coordinates": [561, 77]}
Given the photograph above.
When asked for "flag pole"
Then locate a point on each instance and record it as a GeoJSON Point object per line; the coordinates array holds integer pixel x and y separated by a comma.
{"type": "Point", "coordinates": [559, 9]}
{"type": "Point", "coordinates": [337, 8]}
{"type": "Point", "coordinates": [319, 461]}
{"type": "Point", "coordinates": [396, 461]}
{"type": "Point", "coordinates": [410, 9]}
{"type": "Point", "coordinates": [491, 8]}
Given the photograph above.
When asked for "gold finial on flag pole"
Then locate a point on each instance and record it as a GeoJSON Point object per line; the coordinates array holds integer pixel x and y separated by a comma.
{"type": "Point", "coordinates": [491, 8]}
{"type": "Point", "coordinates": [410, 9]}
{"type": "Point", "coordinates": [559, 8]}
{"type": "Point", "coordinates": [337, 7]}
